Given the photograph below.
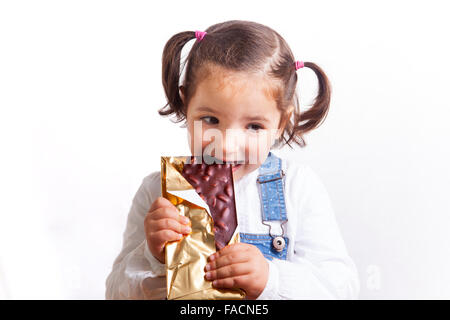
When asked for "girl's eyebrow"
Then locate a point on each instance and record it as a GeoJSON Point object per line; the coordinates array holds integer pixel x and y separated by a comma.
{"type": "Point", "coordinates": [256, 118]}
{"type": "Point", "coordinates": [205, 108]}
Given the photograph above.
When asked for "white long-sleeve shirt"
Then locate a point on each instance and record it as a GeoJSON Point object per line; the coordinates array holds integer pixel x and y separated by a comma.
{"type": "Point", "coordinates": [317, 265]}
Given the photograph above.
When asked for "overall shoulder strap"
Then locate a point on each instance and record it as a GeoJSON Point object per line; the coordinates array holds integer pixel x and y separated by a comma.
{"type": "Point", "coordinates": [270, 180]}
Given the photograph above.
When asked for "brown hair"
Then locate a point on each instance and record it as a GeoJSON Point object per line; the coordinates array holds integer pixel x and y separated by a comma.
{"type": "Point", "coordinates": [250, 47]}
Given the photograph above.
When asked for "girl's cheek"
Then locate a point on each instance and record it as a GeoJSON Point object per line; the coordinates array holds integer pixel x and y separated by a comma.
{"type": "Point", "coordinates": [254, 144]}
{"type": "Point", "coordinates": [195, 139]}
{"type": "Point", "coordinates": [258, 147]}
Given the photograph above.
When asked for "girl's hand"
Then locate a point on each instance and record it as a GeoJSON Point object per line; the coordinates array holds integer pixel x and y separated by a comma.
{"type": "Point", "coordinates": [162, 224]}
{"type": "Point", "coordinates": [239, 265]}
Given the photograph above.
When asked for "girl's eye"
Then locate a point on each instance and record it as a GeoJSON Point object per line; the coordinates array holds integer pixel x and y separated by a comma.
{"type": "Point", "coordinates": [210, 120]}
{"type": "Point", "coordinates": [255, 127]}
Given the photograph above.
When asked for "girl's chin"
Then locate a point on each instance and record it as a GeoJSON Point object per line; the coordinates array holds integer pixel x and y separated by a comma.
{"type": "Point", "coordinates": [237, 172]}
{"type": "Point", "coordinates": [236, 167]}
{"type": "Point", "coordinates": [242, 170]}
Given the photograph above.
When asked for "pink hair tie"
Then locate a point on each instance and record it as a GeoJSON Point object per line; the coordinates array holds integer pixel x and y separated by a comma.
{"type": "Point", "coordinates": [298, 65]}
{"type": "Point", "coordinates": [200, 35]}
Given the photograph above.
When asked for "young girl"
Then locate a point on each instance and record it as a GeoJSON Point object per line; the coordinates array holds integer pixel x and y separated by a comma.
{"type": "Point", "coordinates": [242, 76]}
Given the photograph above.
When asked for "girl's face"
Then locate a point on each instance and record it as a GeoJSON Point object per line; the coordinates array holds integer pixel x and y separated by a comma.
{"type": "Point", "coordinates": [233, 117]}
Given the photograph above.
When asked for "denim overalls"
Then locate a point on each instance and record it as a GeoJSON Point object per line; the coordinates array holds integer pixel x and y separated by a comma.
{"type": "Point", "coordinates": [271, 190]}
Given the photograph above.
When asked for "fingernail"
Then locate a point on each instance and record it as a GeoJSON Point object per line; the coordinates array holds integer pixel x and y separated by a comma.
{"type": "Point", "coordinates": [208, 275]}
{"type": "Point", "coordinates": [185, 219]}
{"type": "Point", "coordinates": [208, 267]}
{"type": "Point", "coordinates": [187, 230]}
{"type": "Point", "coordinates": [212, 257]}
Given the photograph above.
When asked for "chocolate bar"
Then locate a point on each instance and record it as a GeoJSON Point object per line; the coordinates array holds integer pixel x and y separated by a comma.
{"type": "Point", "coordinates": [214, 184]}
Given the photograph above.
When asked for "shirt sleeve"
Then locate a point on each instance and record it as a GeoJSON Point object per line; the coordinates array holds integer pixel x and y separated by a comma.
{"type": "Point", "coordinates": [136, 274]}
{"type": "Point", "coordinates": [320, 267]}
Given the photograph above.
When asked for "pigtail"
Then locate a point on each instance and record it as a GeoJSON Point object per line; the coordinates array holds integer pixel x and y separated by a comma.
{"type": "Point", "coordinates": [171, 74]}
{"type": "Point", "coordinates": [312, 118]}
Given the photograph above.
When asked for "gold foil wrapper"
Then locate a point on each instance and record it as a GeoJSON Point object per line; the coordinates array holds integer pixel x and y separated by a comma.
{"type": "Point", "coordinates": [186, 258]}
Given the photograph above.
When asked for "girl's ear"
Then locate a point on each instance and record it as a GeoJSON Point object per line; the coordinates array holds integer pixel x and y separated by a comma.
{"type": "Point", "coordinates": [289, 112]}
{"type": "Point", "coordinates": [182, 91]}
{"type": "Point", "coordinates": [285, 120]}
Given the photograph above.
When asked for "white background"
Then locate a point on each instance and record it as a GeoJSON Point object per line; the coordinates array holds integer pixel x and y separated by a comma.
{"type": "Point", "coordinates": [80, 86]}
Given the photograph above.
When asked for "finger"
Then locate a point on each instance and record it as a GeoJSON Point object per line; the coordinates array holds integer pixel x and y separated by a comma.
{"type": "Point", "coordinates": [230, 271]}
{"type": "Point", "coordinates": [234, 282]}
{"type": "Point", "coordinates": [169, 224]}
{"type": "Point", "coordinates": [160, 238]}
{"type": "Point", "coordinates": [170, 213]}
{"type": "Point", "coordinates": [161, 202]}
{"type": "Point", "coordinates": [232, 257]}
{"type": "Point", "coordinates": [229, 249]}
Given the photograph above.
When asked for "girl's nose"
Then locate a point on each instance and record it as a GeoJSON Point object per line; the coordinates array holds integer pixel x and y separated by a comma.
{"type": "Point", "coordinates": [233, 148]}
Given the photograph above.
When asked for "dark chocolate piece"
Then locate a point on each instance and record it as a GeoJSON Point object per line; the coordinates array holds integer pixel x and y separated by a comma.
{"type": "Point", "coordinates": [214, 183]}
